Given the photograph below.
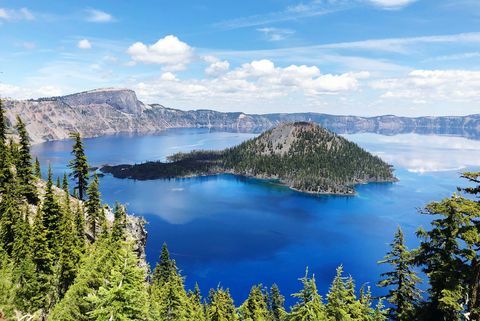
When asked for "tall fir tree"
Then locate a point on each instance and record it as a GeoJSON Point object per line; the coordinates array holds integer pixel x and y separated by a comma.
{"type": "Point", "coordinates": [196, 307]}
{"type": "Point", "coordinates": [447, 253]}
{"type": "Point", "coordinates": [402, 280]}
{"type": "Point", "coordinates": [276, 303]}
{"type": "Point", "coordinates": [79, 165]}
{"type": "Point", "coordinates": [6, 174]}
{"type": "Point", "coordinates": [310, 305]}
{"type": "Point", "coordinates": [37, 171]}
{"type": "Point", "coordinates": [94, 207]}
{"type": "Point", "coordinates": [165, 268]}
{"type": "Point", "coordinates": [119, 222]}
{"type": "Point", "coordinates": [23, 165]}
{"type": "Point", "coordinates": [255, 307]}
{"type": "Point", "coordinates": [52, 217]}
{"type": "Point", "coordinates": [221, 306]}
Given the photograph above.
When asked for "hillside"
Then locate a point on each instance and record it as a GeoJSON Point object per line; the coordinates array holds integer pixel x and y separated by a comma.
{"type": "Point", "coordinates": [301, 155]}
{"type": "Point", "coordinates": [112, 111]}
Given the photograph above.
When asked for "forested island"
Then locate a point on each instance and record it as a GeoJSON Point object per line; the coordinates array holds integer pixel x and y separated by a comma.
{"type": "Point", "coordinates": [301, 155]}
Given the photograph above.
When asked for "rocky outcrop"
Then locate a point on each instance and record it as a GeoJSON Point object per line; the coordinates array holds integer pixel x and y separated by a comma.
{"type": "Point", "coordinates": [111, 111]}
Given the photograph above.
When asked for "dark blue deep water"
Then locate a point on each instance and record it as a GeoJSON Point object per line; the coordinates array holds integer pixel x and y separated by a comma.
{"type": "Point", "coordinates": [237, 232]}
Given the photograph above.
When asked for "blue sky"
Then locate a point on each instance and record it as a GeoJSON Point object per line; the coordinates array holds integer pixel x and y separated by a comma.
{"type": "Point", "coordinates": [361, 57]}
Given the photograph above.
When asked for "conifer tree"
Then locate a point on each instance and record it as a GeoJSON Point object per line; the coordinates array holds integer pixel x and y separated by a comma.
{"type": "Point", "coordinates": [5, 158]}
{"type": "Point", "coordinates": [337, 307]}
{"type": "Point", "coordinates": [79, 227]}
{"type": "Point", "coordinates": [79, 166]}
{"type": "Point", "coordinates": [119, 222]}
{"type": "Point", "coordinates": [94, 207]}
{"type": "Point", "coordinates": [447, 253]}
{"type": "Point", "coordinates": [69, 256]}
{"type": "Point", "coordinates": [165, 268]}
{"type": "Point", "coordinates": [52, 217]}
{"type": "Point", "coordinates": [37, 171]}
{"type": "Point", "coordinates": [196, 307]}
{"type": "Point", "coordinates": [220, 306]}
{"type": "Point", "coordinates": [255, 307]}
{"type": "Point", "coordinates": [43, 260]}
{"type": "Point", "coordinates": [309, 306]}
{"type": "Point", "coordinates": [276, 303]}
{"type": "Point", "coordinates": [123, 295]}
{"type": "Point", "coordinates": [24, 165]}
{"type": "Point", "coordinates": [402, 281]}
{"type": "Point", "coordinates": [7, 286]}
{"type": "Point", "coordinates": [3, 126]}
{"type": "Point", "coordinates": [169, 301]}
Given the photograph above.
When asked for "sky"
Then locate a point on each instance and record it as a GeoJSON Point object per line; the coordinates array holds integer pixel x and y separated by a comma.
{"type": "Point", "coordinates": [357, 57]}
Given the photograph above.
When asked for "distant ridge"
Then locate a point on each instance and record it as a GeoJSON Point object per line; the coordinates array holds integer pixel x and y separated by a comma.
{"type": "Point", "coordinates": [117, 110]}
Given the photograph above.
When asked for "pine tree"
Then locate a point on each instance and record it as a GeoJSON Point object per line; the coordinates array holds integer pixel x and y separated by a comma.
{"type": "Point", "coordinates": [196, 308]}
{"type": "Point", "coordinates": [69, 256]}
{"type": "Point", "coordinates": [309, 306]}
{"type": "Point", "coordinates": [337, 306]}
{"type": "Point", "coordinates": [94, 207]}
{"type": "Point", "coordinates": [7, 286]}
{"type": "Point", "coordinates": [123, 295]}
{"type": "Point", "coordinates": [43, 260]}
{"type": "Point", "coordinates": [448, 256]}
{"type": "Point", "coordinates": [52, 217]}
{"type": "Point", "coordinates": [37, 171]}
{"type": "Point", "coordinates": [24, 165]}
{"type": "Point", "coordinates": [221, 306]}
{"type": "Point", "coordinates": [79, 227]}
{"type": "Point", "coordinates": [276, 303]}
{"type": "Point", "coordinates": [3, 125]}
{"type": "Point", "coordinates": [255, 307]}
{"type": "Point", "coordinates": [402, 280]}
{"type": "Point", "coordinates": [119, 222]}
{"type": "Point", "coordinates": [79, 166]}
{"type": "Point", "coordinates": [169, 301]}
{"type": "Point", "coordinates": [165, 268]}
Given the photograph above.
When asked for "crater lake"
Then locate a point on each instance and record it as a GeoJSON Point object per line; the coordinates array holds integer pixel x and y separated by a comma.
{"type": "Point", "coordinates": [237, 232]}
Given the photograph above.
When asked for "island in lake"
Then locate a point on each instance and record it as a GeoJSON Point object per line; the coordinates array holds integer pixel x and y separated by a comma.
{"type": "Point", "coordinates": [301, 155]}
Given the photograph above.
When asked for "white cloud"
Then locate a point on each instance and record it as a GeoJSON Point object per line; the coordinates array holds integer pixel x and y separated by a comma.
{"type": "Point", "coordinates": [84, 44]}
{"type": "Point", "coordinates": [276, 34]}
{"type": "Point", "coordinates": [392, 4]}
{"type": "Point", "coordinates": [258, 79]}
{"type": "Point", "coordinates": [17, 92]}
{"type": "Point", "coordinates": [217, 68]}
{"type": "Point", "coordinates": [95, 15]}
{"type": "Point", "coordinates": [169, 51]}
{"type": "Point", "coordinates": [433, 85]}
{"type": "Point", "coordinates": [16, 14]}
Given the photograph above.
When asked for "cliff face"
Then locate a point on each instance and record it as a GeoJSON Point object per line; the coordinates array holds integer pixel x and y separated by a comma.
{"type": "Point", "coordinates": [111, 111]}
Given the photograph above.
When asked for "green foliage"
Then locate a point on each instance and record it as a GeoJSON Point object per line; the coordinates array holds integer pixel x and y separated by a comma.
{"type": "Point", "coordinates": [220, 306]}
{"type": "Point", "coordinates": [255, 307]}
{"type": "Point", "coordinates": [402, 280]}
{"type": "Point", "coordinates": [123, 295]}
{"type": "Point", "coordinates": [310, 306]}
{"type": "Point", "coordinates": [165, 268]}
{"type": "Point", "coordinates": [276, 303]}
{"type": "Point", "coordinates": [95, 214]}
{"type": "Point", "coordinates": [79, 165]}
{"type": "Point", "coordinates": [37, 171]}
{"type": "Point", "coordinates": [23, 165]}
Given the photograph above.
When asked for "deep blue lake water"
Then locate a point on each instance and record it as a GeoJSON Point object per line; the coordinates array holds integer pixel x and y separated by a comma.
{"type": "Point", "coordinates": [238, 232]}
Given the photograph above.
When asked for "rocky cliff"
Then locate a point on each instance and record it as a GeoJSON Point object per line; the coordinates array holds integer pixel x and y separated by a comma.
{"type": "Point", "coordinates": [111, 111]}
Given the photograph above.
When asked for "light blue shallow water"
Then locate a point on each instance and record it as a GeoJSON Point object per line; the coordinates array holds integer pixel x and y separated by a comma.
{"type": "Point", "coordinates": [237, 232]}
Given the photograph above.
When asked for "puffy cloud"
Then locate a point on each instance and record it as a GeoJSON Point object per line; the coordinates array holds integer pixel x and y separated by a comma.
{"type": "Point", "coordinates": [84, 44]}
{"type": "Point", "coordinates": [392, 4]}
{"type": "Point", "coordinates": [15, 15]}
{"type": "Point", "coordinates": [217, 68]}
{"type": "Point", "coordinates": [170, 52]}
{"type": "Point", "coordinates": [99, 16]}
{"type": "Point", "coordinates": [258, 79]}
{"type": "Point", "coordinates": [443, 85]}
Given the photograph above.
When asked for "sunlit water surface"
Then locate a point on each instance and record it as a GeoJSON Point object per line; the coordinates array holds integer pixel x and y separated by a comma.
{"type": "Point", "coordinates": [238, 232]}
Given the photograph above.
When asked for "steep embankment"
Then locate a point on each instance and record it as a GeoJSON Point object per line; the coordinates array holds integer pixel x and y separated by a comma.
{"type": "Point", "coordinates": [111, 111]}
{"type": "Point", "coordinates": [301, 155]}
